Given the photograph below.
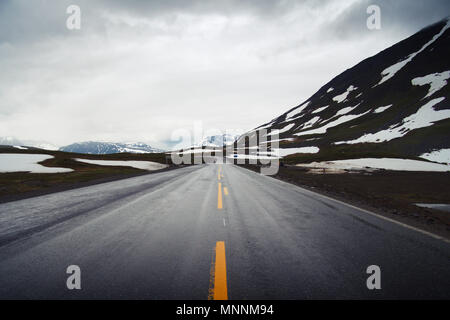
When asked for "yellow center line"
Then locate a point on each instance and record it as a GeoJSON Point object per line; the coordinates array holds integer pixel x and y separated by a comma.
{"type": "Point", "coordinates": [225, 190]}
{"type": "Point", "coordinates": [220, 291]}
{"type": "Point", "coordinates": [218, 174]}
{"type": "Point", "coordinates": [219, 197]}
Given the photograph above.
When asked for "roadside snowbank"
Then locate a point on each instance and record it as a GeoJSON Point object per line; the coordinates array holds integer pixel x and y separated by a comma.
{"type": "Point", "coordinates": [144, 165]}
{"type": "Point", "coordinates": [381, 163]}
{"type": "Point", "coordinates": [22, 162]}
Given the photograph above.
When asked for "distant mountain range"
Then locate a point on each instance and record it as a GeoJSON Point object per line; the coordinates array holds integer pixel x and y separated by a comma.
{"type": "Point", "coordinates": [218, 140]}
{"type": "Point", "coordinates": [395, 103]}
{"type": "Point", "coordinates": [94, 147]}
{"type": "Point", "coordinates": [12, 141]}
{"type": "Point", "coordinates": [89, 147]}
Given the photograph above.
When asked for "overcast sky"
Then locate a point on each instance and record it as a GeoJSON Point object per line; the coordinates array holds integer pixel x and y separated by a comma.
{"type": "Point", "coordinates": [138, 70]}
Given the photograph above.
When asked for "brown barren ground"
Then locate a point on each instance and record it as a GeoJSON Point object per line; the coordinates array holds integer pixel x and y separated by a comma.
{"type": "Point", "coordinates": [20, 185]}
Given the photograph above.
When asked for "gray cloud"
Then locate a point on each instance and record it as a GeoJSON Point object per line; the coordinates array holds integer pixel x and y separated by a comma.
{"type": "Point", "coordinates": [401, 16]}
{"type": "Point", "coordinates": [137, 70]}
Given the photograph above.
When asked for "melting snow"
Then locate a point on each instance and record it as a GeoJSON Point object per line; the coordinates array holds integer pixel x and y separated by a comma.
{"type": "Point", "coordinates": [331, 124]}
{"type": "Point", "coordinates": [381, 109]}
{"type": "Point", "coordinates": [424, 117]}
{"type": "Point", "coordinates": [275, 153]}
{"type": "Point", "coordinates": [442, 156]}
{"type": "Point", "coordinates": [20, 162]}
{"type": "Point", "coordinates": [392, 70]}
{"type": "Point", "coordinates": [21, 148]}
{"type": "Point", "coordinates": [436, 81]}
{"type": "Point", "coordinates": [286, 128]}
{"type": "Point", "coordinates": [320, 109]}
{"type": "Point", "coordinates": [330, 89]}
{"type": "Point", "coordinates": [310, 123]}
{"type": "Point", "coordinates": [297, 110]}
{"type": "Point", "coordinates": [437, 206]}
{"type": "Point", "coordinates": [144, 165]}
{"type": "Point", "coordinates": [288, 151]}
{"type": "Point", "coordinates": [343, 96]}
{"type": "Point", "coordinates": [277, 140]}
{"type": "Point", "coordinates": [382, 163]}
{"type": "Point", "coordinates": [346, 110]}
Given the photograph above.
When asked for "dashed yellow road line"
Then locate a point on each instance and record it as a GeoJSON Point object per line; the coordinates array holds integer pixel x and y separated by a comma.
{"type": "Point", "coordinates": [219, 197]}
{"type": "Point", "coordinates": [220, 290]}
{"type": "Point", "coordinates": [218, 173]}
{"type": "Point", "coordinates": [225, 190]}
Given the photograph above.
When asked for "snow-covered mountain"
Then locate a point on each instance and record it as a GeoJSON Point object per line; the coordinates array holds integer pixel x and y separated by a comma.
{"type": "Point", "coordinates": [394, 104]}
{"type": "Point", "coordinates": [12, 141]}
{"type": "Point", "coordinates": [94, 147]}
{"type": "Point", "coordinates": [218, 140]}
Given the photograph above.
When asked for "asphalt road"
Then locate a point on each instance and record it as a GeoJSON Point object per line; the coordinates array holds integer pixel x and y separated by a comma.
{"type": "Point", "coordinates": [154, 237]}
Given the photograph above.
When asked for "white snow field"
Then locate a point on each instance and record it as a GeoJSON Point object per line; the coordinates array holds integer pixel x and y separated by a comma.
{"type": "Point", "coordinates": [436, 81]}
{"type": "Point", "coordinates": [442, 156]}
{"type": "Point", "coordinates": [144, 165]}
{"type": "Point", "coordinates": [379, 163]}
{"type": "Point", "coordinates": [392, 70]}
{"type": "Point", "coordinates": [424, 117]}
{"type": "Point", "coordinates": [22, 162]}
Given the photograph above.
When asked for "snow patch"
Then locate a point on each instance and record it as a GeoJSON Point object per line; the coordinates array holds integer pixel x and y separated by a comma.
{"type": "Point", "coordinates": [22, 162]}
{"type": "Point", "coordinates": [277, 140]}
{"type": "Point", "coordinates": [297, 110]}
{"type": "Point", "coordinates": [310, 123]}
{"type": "Point", "coordinates": [381, 109]}
{"type": "Point", "coordinates": [288, 151]}
{"type": "Point", "coordinates": [331, 124]}
{"type": "Point", "coordinates": [144, 165]}
{"type": "Point", "coordinates": [379, 163]}
{"type": "Point", "coordinates": [343, 96]}
{"type": "Point", "coordinates": [330, 89]}
{"type": "Point", "coordinates": [388, 73]}
{"type": "Point", "coordinates": [286, 128]}
{"type": "Point", "coordinates": [437, 206]}
{"type": "Point", "coordinates": [442, 156]}
{"type": "Point", "coordinates": [346, 110]}
{"type": "Point", "coordinates": [436, 81]}
{"type": "Point", "coordinates": [320, 109]}
{"type": "Point", "coordinates": [424, 117]}
{"type": "Point", "coordinates": [283, 152]}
